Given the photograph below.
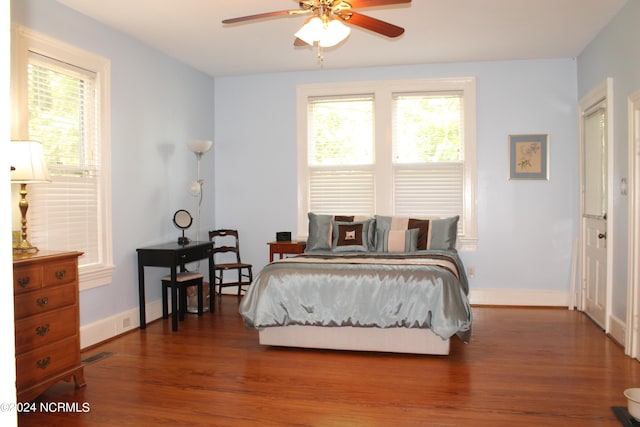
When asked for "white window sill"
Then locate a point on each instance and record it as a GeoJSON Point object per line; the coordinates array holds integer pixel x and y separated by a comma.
{"type": "Point", "coordinates": [95, 276]}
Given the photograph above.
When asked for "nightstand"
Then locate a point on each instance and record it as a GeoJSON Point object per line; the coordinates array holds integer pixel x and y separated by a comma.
{"type": "Point", "coordinates": [285, 248]}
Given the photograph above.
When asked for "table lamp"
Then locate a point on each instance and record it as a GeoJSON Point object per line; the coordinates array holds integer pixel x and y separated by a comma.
{"type": "Point", "coordinates": [28, 166]}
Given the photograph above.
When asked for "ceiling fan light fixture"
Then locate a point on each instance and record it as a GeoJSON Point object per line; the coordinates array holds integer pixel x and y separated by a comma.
{"type": "Point", "coordinates": [326, 35]}
{"type": "Point", "coordinates": [334, 33]}
{"type": "Point", "coordinates": [311, 31]}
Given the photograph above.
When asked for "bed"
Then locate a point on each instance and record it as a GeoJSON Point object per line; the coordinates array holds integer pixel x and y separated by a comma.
{"type": "Point", "coordinates": [372, 285]}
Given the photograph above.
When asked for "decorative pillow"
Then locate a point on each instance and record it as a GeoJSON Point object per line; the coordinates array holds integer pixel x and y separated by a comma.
{"type": "Point", "coordinates": [424, 235]}
{"type": "Point", "coordinates": [351, 236]}
{"type": "Point", "coordinates": [434, 233]}
{"type": "Point", "coordinates": [321, 230]}
{"type": "Point", "coordinates": [444, 232]}
{"type": "Point", "coordinates": [397, 240]}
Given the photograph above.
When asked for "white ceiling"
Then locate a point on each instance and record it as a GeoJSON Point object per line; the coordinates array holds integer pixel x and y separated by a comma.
{"type": "Point", "coordinates": [436, 31]}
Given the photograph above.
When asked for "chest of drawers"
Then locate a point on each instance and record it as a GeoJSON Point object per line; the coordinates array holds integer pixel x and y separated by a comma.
{"type": "Point", "coordinates": [45, 287]}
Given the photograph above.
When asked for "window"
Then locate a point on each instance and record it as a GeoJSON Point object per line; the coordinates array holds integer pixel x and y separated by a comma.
{"type": "Point", "coordinates": [394, 148]}
{"type": "Point", "coordinates": [341, 155]}
{"type": "Point", "coordinates": [62, 100]}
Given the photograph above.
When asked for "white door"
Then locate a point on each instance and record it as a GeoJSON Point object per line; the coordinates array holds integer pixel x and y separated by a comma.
{"type": "Point", "coordinates": [632, 340]}
{"type": "Point", "coordinates": [594, 212]}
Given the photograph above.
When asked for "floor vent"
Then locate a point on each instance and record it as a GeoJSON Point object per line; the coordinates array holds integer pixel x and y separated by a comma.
{"type": "Point", "coordinates": [96, 357]}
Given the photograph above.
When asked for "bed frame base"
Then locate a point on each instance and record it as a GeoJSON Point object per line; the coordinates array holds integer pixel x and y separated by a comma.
{"type": "Point", "coordinates": [394, 340]}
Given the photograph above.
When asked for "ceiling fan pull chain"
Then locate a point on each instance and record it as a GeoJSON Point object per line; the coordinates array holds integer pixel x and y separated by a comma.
{"type": "Point", "coordinates": [320, 55]}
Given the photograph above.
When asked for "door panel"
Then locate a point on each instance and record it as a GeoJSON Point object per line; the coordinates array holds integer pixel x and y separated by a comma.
{"type": "Point", "coordinates": [595, 274]}
{"type": "Point", "coordinates": [595, 163]}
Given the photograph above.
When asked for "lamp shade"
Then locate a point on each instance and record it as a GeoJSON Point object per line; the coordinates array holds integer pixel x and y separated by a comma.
{"type": "Point", "coordinates": [27, 162]}
{"type": "Point", "coordinates": [199, 146]}
{"type": "Point", "coordinates": [311, 31]}
{"type": "Point", "coordinates": [335, 32]}
{"type": "Point", "coordinates": [326, 34]}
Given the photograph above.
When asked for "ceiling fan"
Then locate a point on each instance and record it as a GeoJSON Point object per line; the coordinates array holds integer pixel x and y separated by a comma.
{"type": "Point", "coordinates": [328, 16]}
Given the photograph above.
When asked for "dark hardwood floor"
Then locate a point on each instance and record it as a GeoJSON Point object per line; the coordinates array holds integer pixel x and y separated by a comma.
{"type": "Point", "coordinates": [524, 367]}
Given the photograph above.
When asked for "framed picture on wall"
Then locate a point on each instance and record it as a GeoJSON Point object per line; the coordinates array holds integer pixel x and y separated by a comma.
{"type": "Point", "coordinates": [529, 157]}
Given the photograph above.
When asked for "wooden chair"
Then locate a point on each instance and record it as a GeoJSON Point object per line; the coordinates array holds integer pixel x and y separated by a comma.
{"type": "Point", "coordinates": [226, 253]}
{"type": "Point", "coordinates": [179, 295]}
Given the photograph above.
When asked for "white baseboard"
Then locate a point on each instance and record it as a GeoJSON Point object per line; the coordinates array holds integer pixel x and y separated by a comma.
{"type": "Point", "coordinates": [618, 330]}
{"type": "Point", "coordinates": [518, 297]}
{"type": "Point", "coordinates": [117, 324]}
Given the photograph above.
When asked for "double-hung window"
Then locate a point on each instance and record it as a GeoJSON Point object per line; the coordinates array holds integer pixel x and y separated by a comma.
{"type": "Point", "coordinates": [61, 100]}
{"type": "Point", "coordinates": [341, 155]}
{"type": "Point", "coordinates": [402, 148]}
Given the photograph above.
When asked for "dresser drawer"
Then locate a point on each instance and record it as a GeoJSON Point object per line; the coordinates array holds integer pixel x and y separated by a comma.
{"type": "Point", "coordinates": [47, 361]}
{"type": "Point", "coordinates": [43, 329]}
{"type": "Point", "coordinates": [27, 278]}
{"type": "Point", "coordinates": [58, 273]}
{"type": "Point", "coordinates": [45, 300]}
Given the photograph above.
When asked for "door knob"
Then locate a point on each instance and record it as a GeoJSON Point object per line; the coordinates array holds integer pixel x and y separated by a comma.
{"type": "Point", "coordinates": [602, 235]}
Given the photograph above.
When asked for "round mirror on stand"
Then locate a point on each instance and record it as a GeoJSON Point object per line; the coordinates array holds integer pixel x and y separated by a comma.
{"type": "Point", "coordinates": [183, 220]}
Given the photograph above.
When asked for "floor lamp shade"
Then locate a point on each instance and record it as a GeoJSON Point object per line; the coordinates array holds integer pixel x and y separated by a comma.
{"type": "Point", "coordinates": [199, 146]}
{"type": "Point", "coordinates": [28, 166]}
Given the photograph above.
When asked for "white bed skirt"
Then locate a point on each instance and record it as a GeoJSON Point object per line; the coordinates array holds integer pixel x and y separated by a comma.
{"type": "Point", "coordinates": [395, 340]}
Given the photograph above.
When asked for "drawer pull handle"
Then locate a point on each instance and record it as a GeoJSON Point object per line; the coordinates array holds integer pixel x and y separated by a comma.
{"type": "Point", "coordinates": [24, 281]}
{"type": "Point", "coordinates": [43, 363]}
{"type": "Point", "coordinates": [42, 301]}
{"type": "Point", "coordinates": [42, 330]}
{"type": "Point", "coordinates": [60, 274]}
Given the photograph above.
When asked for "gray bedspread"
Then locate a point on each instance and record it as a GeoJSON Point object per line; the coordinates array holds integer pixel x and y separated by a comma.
{"type": "Point", "coordinates": [425, 289]}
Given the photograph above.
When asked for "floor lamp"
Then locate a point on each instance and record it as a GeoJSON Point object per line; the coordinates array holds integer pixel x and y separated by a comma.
{"type": "Point", "coordinates": [198, 147]}
{"type": "Point", "coordinates": [28, 166]}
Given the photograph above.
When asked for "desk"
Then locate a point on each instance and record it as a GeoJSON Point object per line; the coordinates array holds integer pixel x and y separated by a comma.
{"type": "Point", "coordinates": [172, 255]}
{"type": "Point", "coordinates": [282, 248]}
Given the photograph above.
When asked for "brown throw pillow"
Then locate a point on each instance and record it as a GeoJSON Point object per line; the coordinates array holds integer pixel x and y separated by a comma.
{"type": "Point", "coordinates": [349, 234]}
{"type": "Point", "coordinates": [423, 234]}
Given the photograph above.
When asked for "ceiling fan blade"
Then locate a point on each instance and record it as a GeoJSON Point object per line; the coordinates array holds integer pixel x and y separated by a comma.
{"type": "Point", "coordinates": [260, 16]}
{"type": "Point", "coordinates": [373, 24]}
{"type": "Point", "coordinates": [360, 4]}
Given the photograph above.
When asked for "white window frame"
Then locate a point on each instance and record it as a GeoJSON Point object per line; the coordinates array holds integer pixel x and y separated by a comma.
{"type": "Point", "coordinates": [25, 40]}
{"type": "Point", "coordinates": [383, 95]}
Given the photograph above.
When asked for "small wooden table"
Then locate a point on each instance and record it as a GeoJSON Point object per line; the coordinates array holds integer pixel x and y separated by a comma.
{"type": "Point", "coordinates": [285, 248]}
{"type": "Point", "coordinates": [172, 255]}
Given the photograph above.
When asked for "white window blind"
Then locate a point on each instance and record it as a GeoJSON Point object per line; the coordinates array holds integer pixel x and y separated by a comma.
{"type": "Point", "coordinates": [434, 190]}
{"type": "Point", "coordinates": [334, 191]}
{"type": "Point", "coordinates": [62, 104]}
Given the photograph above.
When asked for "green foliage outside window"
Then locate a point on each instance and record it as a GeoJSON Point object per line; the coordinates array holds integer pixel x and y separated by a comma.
{"type": "Point", "coordinates": [427, 129]}
{"type": "Point", "coordinates": [55, 117]}
{"type": "Point", "coordinates": [341, 132]}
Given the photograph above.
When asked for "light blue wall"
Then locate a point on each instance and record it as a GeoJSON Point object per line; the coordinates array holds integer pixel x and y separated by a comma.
{"type": "Point", "coordinates": [157, 105]}
{"type": "Point", "coordinates": [526, 228]}
{"type": "Point", "coordinates": [615, 53]}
